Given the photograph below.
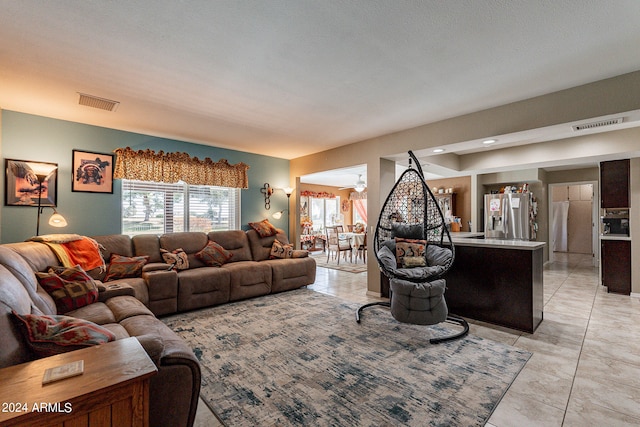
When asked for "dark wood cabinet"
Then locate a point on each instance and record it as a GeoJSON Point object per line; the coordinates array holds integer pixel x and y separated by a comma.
{"type": "Point", "coordinates": [500, 285]}
{"type": "Point", "coordinates": [616, 266]}
{"type": "Point", "coordinates": [614, 184]}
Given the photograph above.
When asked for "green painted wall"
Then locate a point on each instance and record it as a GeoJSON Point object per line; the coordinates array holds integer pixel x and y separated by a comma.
{"type": "Point", "coordinates": [36, 138]}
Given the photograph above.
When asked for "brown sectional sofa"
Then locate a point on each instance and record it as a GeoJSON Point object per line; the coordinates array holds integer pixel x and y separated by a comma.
{"type": "Point", "coordinates": [128, 307]}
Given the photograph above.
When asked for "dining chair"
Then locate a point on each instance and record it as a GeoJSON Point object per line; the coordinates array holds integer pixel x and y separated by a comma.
{"type": "Point", "coordinates": [362, 250]}
{"type": "Point", "coordinates": [337, 246]}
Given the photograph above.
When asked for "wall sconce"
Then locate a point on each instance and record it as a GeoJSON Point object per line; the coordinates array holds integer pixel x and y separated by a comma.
{"type": "Point", "coordinates": [267, 191]}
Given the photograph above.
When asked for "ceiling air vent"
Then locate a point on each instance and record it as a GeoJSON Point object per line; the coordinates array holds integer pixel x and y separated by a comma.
{"type": "Point", "coordinates": [95, 102]}
{"type": "Point", "coordinates": [598, 124]}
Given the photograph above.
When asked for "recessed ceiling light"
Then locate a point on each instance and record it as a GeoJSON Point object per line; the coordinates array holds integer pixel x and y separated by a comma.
{"type": "Point", "coordinates": [438, 150]}
{"type": "Point", "coordinates": [489, 141]}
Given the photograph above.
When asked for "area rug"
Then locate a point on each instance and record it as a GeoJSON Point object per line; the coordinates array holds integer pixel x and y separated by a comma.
{"type": "Point", "coordinates": [298, 358]}
{"type": "Point", "coordinates": [350, 267]}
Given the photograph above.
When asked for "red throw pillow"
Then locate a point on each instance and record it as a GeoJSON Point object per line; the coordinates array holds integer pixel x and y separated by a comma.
{"type": "Point", "coordinates": [214, 255]}
{"type": "Point", "coordinates": [264, 228]}
{"type": "Point", "coordinates": [50, 335]}
{"type": "Point", "coordinates": [121, 267]}
{"type": "Point", "coordinates": [70, 287]}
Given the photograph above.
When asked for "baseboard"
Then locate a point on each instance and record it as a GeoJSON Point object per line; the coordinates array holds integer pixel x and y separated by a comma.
{"type": "Point", "coordinates": [635, 295]}
{"type": "Point", "coordinates": [374, 294]}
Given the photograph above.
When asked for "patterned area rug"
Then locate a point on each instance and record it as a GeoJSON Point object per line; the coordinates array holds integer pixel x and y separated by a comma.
{"type": "Point", "coordinates": [299, 358]}
{"type": "Point", "coordinates": [350, 267]}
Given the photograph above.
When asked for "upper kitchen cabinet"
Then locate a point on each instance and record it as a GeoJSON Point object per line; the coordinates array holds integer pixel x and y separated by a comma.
{"type": "Point", "coordinates": [614, 184]}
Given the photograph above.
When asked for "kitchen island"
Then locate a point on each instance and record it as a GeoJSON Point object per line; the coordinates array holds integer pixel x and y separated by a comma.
{"type": "Point", "coordinates": [497, 281]}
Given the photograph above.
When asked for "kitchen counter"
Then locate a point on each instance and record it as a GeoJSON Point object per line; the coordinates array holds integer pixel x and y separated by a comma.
{"type": "Point", "coordinates": [496, 243]}
{"type": "Point", "coordinates": [497, 281]}
{"type": "Point", "coordinates": [466, 235]}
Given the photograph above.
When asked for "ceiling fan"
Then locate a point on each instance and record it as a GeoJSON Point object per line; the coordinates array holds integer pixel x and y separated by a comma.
{"type": "Point", "coordinates": [359, 186]}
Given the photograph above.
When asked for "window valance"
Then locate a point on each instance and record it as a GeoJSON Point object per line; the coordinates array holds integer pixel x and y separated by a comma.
{"type": "Point", "coordinates": [320, 195]}
{"type": "Point", "coordinates": [354, 195]}
{"type": "Point", "coordinates": [147, 165]}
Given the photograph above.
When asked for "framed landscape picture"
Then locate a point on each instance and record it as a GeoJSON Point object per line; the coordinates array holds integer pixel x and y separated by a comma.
{"type": "Point", "coordinates": [92, 172]}
{"type": "Point", "coordinates": [22, 187]}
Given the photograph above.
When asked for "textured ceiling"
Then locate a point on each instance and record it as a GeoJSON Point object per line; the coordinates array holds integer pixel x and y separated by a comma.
{"type": "Point", "coordinates": [288, 78]}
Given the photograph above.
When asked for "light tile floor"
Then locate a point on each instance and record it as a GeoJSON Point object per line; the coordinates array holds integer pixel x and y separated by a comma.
{"type": "Point", "coordinates": [585, 368]}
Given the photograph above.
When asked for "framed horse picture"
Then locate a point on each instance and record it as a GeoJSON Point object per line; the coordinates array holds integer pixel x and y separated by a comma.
{"type": "Point", "coordinates": [92, 172]}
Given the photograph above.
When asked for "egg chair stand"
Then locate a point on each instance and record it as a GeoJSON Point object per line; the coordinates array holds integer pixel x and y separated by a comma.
{"type": "Point", "coordinates": [414, 250]}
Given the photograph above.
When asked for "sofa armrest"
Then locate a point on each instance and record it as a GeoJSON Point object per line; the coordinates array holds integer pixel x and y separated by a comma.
{"type": "Point", "coordinates": [114, 290]}
{"type": "Point", "coordinates": [163, 290]}
{"type": "Point", "coordinates": [156, 266]}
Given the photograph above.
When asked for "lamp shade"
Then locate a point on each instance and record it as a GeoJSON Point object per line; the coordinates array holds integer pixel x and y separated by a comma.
{"type": "Point", "coordinates": [42, 170]}
{"type": "Point", "coordinates": [57, 220]}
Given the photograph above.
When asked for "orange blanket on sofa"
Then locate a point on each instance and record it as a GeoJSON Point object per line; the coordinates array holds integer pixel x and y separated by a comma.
{"type": "Point", "coordinates": [74, 250]}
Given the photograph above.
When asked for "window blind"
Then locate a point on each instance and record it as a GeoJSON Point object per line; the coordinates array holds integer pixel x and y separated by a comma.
{"type": "Point", "coordinates": [156, 208]}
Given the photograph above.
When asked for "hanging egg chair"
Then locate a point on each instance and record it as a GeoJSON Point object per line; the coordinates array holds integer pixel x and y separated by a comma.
{"type": "Point", "coordinates": [414, 250]}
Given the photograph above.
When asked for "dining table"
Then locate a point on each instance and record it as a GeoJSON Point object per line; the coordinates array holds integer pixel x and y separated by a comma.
{"type": "Point", "coordinates": [356, 239]}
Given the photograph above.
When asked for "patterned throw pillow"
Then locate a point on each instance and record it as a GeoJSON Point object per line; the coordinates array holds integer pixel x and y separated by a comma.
{"type": "Point", "coordinates": [50, 335]}
{"type": "Point", "coordinates": [178, 258]}
{"type": "Point", "coordinates": [214, 255]}
{"type": "Point", "coordinates": [281, 250]}
{"type": "Point", "coordinates": [409, 248]}
{"type": "Point", "coordinates": [264, 228]}
{"type": "Point", "coordinates": [70, 287]}
{"type": "Point", "coordinates": [121, 267]}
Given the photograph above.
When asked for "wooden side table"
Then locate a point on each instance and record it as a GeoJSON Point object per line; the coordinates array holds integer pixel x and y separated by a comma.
{"type": "Point", "coordinates": [112, 391]}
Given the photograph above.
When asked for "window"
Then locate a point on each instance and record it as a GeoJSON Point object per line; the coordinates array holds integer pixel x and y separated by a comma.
{"type": "Point", "coordinates": [325, 213]}
{"type": "Point", "coordinates": [156, 208]}
{"type": "Point", "coordinates": [359, 211]}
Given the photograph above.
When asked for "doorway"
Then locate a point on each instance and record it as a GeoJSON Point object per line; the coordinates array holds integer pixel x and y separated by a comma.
{"type": "Point", "coordinates": [574, 219]}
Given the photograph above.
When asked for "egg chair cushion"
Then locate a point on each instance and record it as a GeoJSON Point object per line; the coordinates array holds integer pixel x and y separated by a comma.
{"type": "Point", "coordinates": [418, 303]}
{"type": "Point", "coordinates": [415, 274]}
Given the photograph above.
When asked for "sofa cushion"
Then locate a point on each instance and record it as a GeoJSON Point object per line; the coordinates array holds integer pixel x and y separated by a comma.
{"type": "Point", "coordinates": [121, 267]}
{"type": "Point", "coordinates": [37, 255]}
{"type": "Point", "coordinates": [177, 258]}
{"type": "Point", "coordinates": [214, 255]}
{"type": "Point", "coordinates": [70, 287]}
{"type": "Point", "coordinates": [119, 244]}
{"type": "Point", "coordinates": [264, 228]}
{"type": "Point", "coordinates": [203, 287]}
{"type": "Point", "coordinates": [18, 268]}
{"type": "Point", "coordinates": [55, 334]}
{"type": "Point", "coordinates": [249, 279]}
{"type": "Point", "coordinates": [190, 241]}
{"type": "Point", "coordinates": [235, 241]}
{"type": "Point", "coordinates": [261, 246]}
{"type": "Point", "coordinates": [126, 306]}
{"type": "Point", "coordinates": [291, 273]}
{"type": "Point", "coordinates": [147, 244]}
{"type": "Point", "coordinates": [97, 313]}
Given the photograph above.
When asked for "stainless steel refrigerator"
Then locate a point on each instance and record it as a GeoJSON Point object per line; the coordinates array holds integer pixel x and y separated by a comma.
{"type": "Point", "coordinates": [510, 216]}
